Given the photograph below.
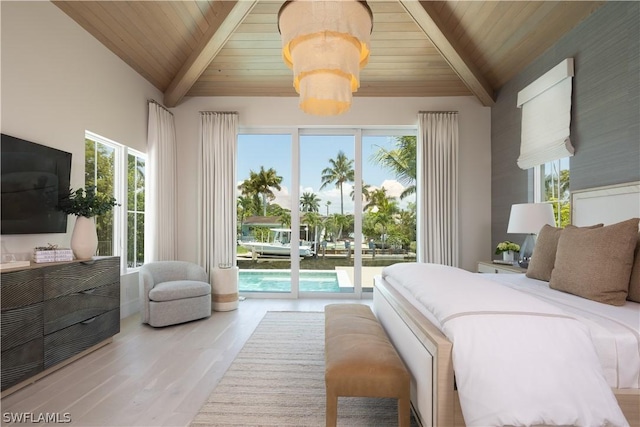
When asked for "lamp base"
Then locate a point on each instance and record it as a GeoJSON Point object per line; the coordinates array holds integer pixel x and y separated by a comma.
{"type": "Point", "coordinates": [526, 250]}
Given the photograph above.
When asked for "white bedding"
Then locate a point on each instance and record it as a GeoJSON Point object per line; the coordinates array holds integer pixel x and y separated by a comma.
{"type": "Point", "coordinates": [615, 331]}
{"type": "Point", "coordinates": [518, 360]}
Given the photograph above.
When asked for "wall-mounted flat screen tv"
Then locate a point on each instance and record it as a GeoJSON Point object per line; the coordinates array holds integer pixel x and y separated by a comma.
{"type": "Point", "coordinates": [34, 178]}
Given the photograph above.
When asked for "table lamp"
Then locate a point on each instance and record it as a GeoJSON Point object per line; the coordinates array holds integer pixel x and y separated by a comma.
{"type": "Point", "coordinates": [529, 218]}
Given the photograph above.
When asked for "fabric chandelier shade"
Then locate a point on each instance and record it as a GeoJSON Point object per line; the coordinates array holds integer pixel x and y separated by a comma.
{"type": "Point", "coordinates": [325, 43]}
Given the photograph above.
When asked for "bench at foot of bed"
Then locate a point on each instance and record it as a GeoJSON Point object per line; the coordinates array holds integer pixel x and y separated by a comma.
{"type": "Point", "coordinates": [360, 361]}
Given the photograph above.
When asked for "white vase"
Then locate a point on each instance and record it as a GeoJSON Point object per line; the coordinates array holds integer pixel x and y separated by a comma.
{"type": "Point", "coordinates": [507, 256]}
{"type": "Point", "coordinates": [84, 239]}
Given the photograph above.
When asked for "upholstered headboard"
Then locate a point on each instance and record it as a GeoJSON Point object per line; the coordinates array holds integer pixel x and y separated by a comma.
{"type": "Point", "coordinates": [608, 205]}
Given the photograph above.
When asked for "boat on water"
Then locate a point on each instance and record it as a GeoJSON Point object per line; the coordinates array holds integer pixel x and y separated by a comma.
{"type": "Point", "coordinates": [280, 244]}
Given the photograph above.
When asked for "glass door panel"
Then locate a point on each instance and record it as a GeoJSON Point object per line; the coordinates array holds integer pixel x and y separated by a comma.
{"type": "Point", "coordinates": [264, 213]}
{"type": "Point", "coordinates": [327, 178]}
{"type": "Point", "coordinates": [389, 203]}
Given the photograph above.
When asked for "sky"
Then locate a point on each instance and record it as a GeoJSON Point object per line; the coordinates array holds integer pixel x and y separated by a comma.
{"type": "Point", "coordinates": [315, 152]}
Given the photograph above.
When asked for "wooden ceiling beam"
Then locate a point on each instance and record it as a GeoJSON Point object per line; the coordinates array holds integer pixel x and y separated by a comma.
{"type": "Point", "coordinates": [208, 47]}
{"type": "Point", "coordinates": [426, 18]}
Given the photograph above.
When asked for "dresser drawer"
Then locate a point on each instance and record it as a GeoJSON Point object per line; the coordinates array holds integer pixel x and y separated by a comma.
{"type": "Point", "coordinates": [21, 288]}
{"type": "Point", "coordinates": [22, 362]}
{"type": "Point", "coordinates": [70, 341]}
{"type": "Point", "coordinates": [21, 325]}
{"type": "Point", "coordinates": [80, 276]}
{"type": "Point", "coordinates": [70, 309]}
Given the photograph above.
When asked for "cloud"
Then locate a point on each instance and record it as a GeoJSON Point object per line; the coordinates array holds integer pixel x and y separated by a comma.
{"type": "Point", "coordinates": [283, 197]}
{"type": "Point", "coordinates": [393, 187]}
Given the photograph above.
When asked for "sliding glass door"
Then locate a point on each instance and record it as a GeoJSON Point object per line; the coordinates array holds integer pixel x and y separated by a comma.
{"type": "Point", "coordinates": [322, 212]}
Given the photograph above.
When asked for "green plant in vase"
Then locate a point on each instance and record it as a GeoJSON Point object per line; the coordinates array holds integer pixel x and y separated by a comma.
{"type": "Point", "coordinates": [85, 204]}
{"type": "Point", "coordinates": [507, 249]}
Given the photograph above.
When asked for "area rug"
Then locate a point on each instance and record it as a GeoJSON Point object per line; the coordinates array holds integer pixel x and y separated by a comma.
{"type": "Point", "coordinates": [277, 379]}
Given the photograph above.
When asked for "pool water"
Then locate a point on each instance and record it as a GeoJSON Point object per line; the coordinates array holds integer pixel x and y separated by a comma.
{"type": "Point", "coordinates": [280, 281]}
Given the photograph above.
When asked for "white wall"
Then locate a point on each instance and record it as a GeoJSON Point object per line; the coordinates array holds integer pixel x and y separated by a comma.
{"type": "Point", "coordinates": [57, 82]}
{"type": "Point", "coordinates": [261, 112]}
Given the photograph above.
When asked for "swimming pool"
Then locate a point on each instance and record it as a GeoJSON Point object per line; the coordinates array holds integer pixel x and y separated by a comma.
{"type": "Point", "coordinates": [280, 281]}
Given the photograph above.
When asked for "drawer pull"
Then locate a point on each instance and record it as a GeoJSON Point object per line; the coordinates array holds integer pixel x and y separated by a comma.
{"type": "Point", "coordinates": [86, 322]}
{"type": "Point", "coordinates": [88, 262]}
{"type": "Point", "coordinates": [88, 291]}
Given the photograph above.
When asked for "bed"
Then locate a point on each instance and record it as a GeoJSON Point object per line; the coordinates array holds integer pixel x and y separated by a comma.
{"type": "Point", "coordinates": [429, 355]}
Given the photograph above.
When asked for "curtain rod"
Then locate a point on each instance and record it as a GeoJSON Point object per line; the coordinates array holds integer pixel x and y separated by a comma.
{"type": "Point", "coordinates": [426, 112]}
{"type": "Point", "coordinates": [160, 105]}
{"type": "Point", "coordinates": [219, 112]}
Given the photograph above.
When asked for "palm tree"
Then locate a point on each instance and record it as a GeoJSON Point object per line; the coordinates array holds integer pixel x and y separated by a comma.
{"type": "Point", "coordinates": [244, 205]}
{"type": "Point", "coordinates": [384, 216]}
{"type": "Point", "coordinates": [340, 171]}
{"type": "Point", "coordinates": [328, 203]}
{"type": "Point", "coordinates": [337, 223]}
{"type": "Point", "coordinates": [401, 161]}
{"type": "Point", "coordinates": [262, 183]}
{"type": "Point", "coordinates": [365, 192]}
{"type": "Point", "coordinates": [309, 202]}
{"type": "Point", "coordinates": [378, 198]}
{"type": "Point", "coordinates": [313, 220]}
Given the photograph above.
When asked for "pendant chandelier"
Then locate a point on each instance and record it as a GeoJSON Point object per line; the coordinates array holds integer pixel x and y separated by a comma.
{"type": "Point", "coordinates": [325, 43]}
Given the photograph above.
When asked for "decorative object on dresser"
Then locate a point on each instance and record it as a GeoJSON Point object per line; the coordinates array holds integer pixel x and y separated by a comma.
{"type": "Point", "coordinates": [85, 205]}
{"type": "Point", "coordinates": [173, 292]}
{"type": "Point", "coordinates": [52, 253]}
{"type": "Point", "coordinates": [529, 218]}
{"type": "Point", "coordinates": [54, 313]}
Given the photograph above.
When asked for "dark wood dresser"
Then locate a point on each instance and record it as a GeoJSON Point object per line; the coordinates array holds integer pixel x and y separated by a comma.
{"type": "Point", "coordinates": [53, 312]}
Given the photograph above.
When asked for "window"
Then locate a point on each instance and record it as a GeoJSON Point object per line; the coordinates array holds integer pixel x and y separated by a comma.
{"type": "Point", "coordinates": [100, 172]}
{"type": "Point", "coordinates": [119, 172]}
{"type": "Point", "coordinates": [552, 185]}
{"type": "Point", "coordinates": [135, 209]}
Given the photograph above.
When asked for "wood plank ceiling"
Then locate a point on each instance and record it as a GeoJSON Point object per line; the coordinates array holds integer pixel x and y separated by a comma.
{"type": "Point", "coordinates": [428, 48]}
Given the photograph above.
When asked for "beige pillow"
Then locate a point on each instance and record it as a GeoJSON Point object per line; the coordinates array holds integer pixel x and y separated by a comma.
{"type": "Point", "coordinates": [544, 253]}
{"type": "Point", "coordinates": [596, 263]}
{"type": "Point", "coordinates": [634, 283]}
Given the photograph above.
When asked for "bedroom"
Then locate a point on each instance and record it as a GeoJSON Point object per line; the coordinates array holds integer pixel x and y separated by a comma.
{"type": "Point", "coordinates": [51, 94]}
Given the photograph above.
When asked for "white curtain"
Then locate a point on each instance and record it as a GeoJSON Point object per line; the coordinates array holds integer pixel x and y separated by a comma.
{"type": "Point", "coordinates": [437, 153]}
{"type": "Point", "coordinates": [160, 231]}
{"type": "Point", "coordinates": [217, 192]}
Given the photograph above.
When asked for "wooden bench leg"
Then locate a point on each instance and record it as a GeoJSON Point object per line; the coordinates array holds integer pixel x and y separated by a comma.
{"type": "Point", "coordinates": [332, 409]}
{"type": "Point", "coordinates": [404, 412]}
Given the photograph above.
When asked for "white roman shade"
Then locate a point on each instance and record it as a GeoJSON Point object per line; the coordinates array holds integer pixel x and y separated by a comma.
{"type": "Point", "coordinates": [546, 117]}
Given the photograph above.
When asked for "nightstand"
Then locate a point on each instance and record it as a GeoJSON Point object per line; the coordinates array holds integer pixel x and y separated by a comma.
{"type": "Point", "coordinates": [490, 267]}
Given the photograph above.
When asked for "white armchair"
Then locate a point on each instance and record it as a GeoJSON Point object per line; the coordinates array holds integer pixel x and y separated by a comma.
{"type": "Point", "coordinates": [173, 292]}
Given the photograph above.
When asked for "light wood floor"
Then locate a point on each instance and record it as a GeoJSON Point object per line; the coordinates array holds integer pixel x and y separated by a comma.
{"type": "Point", "coordinates": [148, 376]}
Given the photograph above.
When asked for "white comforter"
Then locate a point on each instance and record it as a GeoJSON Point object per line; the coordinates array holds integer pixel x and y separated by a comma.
{"type": "Point", "coordinates": [517, 360]}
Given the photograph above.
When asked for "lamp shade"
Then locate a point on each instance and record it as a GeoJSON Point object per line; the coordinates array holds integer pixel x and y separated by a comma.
{"type": "Point", "coordinates": [529, 218]}
{"type": "Point", "coordinates": [325, 43]}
